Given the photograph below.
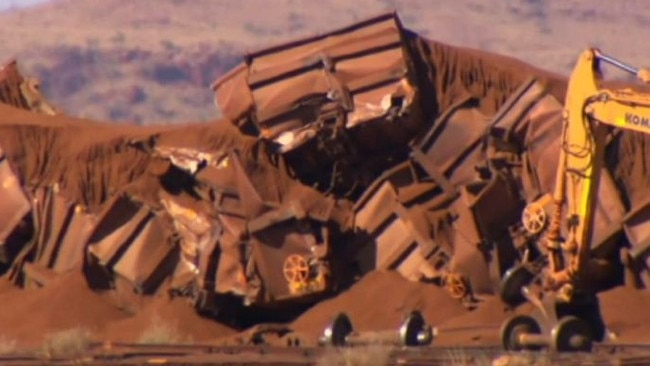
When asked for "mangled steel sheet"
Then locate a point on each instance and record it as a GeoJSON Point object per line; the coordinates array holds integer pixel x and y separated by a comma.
{"type": "Point", "coordinates": [15, 227]}
{"type": "Point", "coordinates": [62, 228]}
{"type": "Point", "coordinates": [16, 271]}
{"type": "Point", "coordinates": [467, 177]}
{"type": "Point", "coordinates": [264, 251]}
{"type": "Point", "coordinates": [474, 158]}
{"type": "Point", "coordinates": [293, 246]}
{"type": "Point", "coordinates": [636, 228]}
{"type": "Point", "coordinates": [134, 242]}
{"type": "Point", "coordinates": [456, 174]}
{"type": "Point", "coordinates": [395, 236]}
{"type": "Point", "coordinates": [289, 256]}
{"type": "Point", "coordinates": [196, 229]}
{"type": "Point", "coordinates": [322, 99]}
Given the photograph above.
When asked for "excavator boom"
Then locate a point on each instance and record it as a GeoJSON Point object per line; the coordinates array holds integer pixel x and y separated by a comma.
{"type": "Point", "coordinates": [567, 302]}
{"type": "Point", "coordinates": [590, 112]}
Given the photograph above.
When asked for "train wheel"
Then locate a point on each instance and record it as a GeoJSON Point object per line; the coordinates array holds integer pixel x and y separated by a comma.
{"type": "Point", "coordinates": [571, 334]}
{"type": "Point", "coordinates": [513, 328]}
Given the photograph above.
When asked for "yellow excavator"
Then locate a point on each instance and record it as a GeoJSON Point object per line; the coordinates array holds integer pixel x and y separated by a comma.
{"type": "Point", "coordinates": [562, 290]}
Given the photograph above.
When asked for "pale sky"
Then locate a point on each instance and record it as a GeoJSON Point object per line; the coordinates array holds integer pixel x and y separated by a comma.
{"type": "Point", "coordinates": [8, 4]}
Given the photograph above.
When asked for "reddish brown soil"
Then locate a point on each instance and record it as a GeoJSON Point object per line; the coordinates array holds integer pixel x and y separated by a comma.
{"type": "Point", "coordinates": [28, 316]}
{"type": "Point", "coordinates": [161, 317]}
{"type": "Point", "coordinates": [626, 314]}
{"type": "Point", "coordinates": [380, 301]}
{"type": "Point", "coordinates": [478, 327]}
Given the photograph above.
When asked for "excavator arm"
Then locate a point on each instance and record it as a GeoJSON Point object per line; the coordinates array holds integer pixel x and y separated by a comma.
{"type": "Point", "coordinates": [570, 314]}
{"type": "Point", "coordinates": [590, 112]}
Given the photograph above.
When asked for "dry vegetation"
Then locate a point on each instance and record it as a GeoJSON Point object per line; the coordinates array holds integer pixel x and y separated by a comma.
{"type": "Point", "coordinates": [161, 331]}
{"type": "Point", "coordinates": [459, 357]}
{"type": "Point", "coordinates": [371, 355]}
{"type": "Point", "coordinates": [7, 345]}
{"type": "Point", "coordinates": [532, 359]}
{"type": "Point", "coordinates": [70, 343]}
{"type": "Point", "coordinates": [133, 61]}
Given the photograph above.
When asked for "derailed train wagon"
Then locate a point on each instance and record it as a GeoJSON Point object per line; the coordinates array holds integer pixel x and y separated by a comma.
{"type": "Point", "coordinates": [343, 109]}
{"type": "Point", "coordinates": [339, 106]}
{"type": "Point", "coordinates": [14, 214]}
{"type": "Point", "coordinates": [16, 221]}
{"type": "Point", "coordinates": [222, 236]}
{"type": "Point", "coordinates": [447, 200]}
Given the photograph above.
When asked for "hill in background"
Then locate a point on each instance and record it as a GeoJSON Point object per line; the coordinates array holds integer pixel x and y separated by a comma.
{"type": "Point", "coordinates": [153, 61]}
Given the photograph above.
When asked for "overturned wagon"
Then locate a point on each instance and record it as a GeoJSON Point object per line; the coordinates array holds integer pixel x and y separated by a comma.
{"type": "Point", "coordinates": [442, 150]}
{"type": "Point", "coordinates": [355, 113]}
{"type": "Point", "coordinates": [200, 225]}
{"type": "Point", "coordinates": [206, 215]}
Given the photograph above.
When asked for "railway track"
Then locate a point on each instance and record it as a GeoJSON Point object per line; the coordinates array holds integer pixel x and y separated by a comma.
{"type": "Point", "coordinates": [138, 354]}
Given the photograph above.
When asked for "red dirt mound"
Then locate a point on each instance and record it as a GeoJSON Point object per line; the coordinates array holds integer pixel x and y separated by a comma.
{"type": "Point", "coordinates": [380, 301]}
{"type": "Point", "coordinates": [27, 316]}
{"type": "Point", "coordinates": [162, 318]}
{"type": "Point", "coordinates": [625, 311]}
{"type": "Point", "coordinates": [478, 327]}
{"type": "Point", "coordinates": [90, 160]}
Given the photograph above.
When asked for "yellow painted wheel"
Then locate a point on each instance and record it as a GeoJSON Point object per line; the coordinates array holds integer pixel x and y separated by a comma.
{"type": "Point", "coordinates": [456, 285]}
{"type": "Point", "coordinates": [295, 269]}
